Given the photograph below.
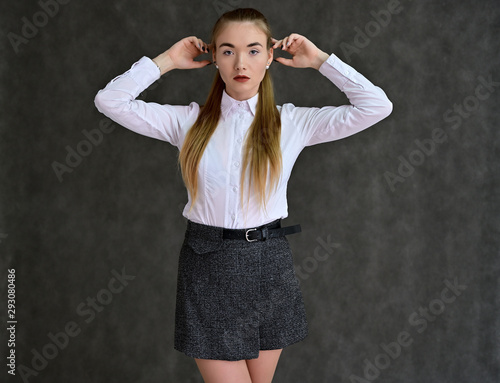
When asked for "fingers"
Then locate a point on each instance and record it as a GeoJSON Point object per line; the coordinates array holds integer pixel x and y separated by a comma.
{"type": "Point", "coordinates": [284, 61]}
{"type": "Point", "coordinates": [201, 64]}
{"type": "Point", "coordinates": [187, 50]}
{"type": "Point", "coordinates": [277, 43]}
{"type": "Point", "coordinates": [203, 46]}
{"type": "Point", "coordinates": [287, 43]}
{"type": "Point", "coordinates": [199, 44]}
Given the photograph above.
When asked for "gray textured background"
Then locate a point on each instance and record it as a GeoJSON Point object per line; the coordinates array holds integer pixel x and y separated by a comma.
{"type": "Point", "coordinates": [120, 208]}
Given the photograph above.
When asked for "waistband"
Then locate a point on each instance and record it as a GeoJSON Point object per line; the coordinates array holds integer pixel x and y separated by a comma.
{"type": "Point", "coordinates": [259, 233]}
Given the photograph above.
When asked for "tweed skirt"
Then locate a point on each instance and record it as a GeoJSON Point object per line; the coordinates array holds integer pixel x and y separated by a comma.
{"type": "Point", "coordinates": [235, 297]}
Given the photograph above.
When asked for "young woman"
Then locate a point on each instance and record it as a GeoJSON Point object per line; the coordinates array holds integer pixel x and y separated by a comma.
{"type": "Point", "coordinates": [238, 300]}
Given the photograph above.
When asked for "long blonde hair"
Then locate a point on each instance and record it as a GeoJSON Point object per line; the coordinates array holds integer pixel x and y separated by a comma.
{"type": "Point", "coordinates": [262, 150]}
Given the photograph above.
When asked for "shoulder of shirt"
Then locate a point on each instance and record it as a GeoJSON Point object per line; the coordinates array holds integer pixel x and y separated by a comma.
{"type": "Point", "coordinates": [191, 107]}
{"type": "Point", "coordinates": [288, 108]}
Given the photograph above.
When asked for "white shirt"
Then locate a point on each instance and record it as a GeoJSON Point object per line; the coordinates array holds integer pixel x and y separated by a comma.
{"type": "Point", "coordinates": [218, 199]}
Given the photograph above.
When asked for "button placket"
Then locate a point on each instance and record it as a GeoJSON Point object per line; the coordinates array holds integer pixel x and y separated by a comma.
{"type": "Point", "coordinates": [236, 157]}
{"type": "Point", "coordinates": [232, 191]}
{"type": "Point", "coordinates": [241, 117]}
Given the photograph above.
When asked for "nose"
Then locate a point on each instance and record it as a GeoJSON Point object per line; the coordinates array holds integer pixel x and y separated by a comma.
{"type": "Point", "coordinates": [240, 63]}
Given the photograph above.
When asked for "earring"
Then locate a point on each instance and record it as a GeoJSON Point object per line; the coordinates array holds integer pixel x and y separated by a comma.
{"type": "Point", "coordinates": [267, 66]}
{"type": "Point", "coordinates": [216, 65]}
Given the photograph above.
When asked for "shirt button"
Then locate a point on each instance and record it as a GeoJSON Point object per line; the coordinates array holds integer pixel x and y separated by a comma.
{"type": "Point", "coordinates": [235, 189]}
{"type": "Point", "coordinates": [236, 164]}
{"type": "Point", "coordinates": [239, 140]}
{"type": "Point", "coordinates": [233, 216]}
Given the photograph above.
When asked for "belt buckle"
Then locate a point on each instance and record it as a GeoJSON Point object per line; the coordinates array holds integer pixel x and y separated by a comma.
{"type": "Point", "coordinates": [246, 236]}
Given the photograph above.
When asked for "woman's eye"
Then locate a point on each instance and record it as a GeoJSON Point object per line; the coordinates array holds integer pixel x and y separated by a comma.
{"type": "Point", "coordinates": [252, 52]}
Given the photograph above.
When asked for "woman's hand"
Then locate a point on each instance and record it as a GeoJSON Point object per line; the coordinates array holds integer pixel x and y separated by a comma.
{"type": "Point", "coordinates": [305, 53]}
{"type": "Point", "coordinates": [181, 55]}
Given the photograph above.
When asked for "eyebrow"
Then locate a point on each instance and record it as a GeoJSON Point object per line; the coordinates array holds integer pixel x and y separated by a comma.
{"type": "Point", "coordinates": [232, 46]}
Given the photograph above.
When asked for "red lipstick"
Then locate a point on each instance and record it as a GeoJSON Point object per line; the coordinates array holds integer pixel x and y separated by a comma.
{"type": "Point", "coordinates": [241, 78]}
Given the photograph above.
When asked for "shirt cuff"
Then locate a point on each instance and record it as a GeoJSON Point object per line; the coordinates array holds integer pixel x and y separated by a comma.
{"type": "Point", "coordinates": [144, 72]}
{"type": "Point", "coordinates": [338, 71]}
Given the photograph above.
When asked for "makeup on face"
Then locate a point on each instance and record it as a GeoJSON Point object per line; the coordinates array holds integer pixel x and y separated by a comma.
{"type": "Point", "coordinates": [241, 58]}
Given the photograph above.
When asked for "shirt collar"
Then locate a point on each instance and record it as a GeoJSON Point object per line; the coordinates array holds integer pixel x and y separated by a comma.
{"type": "Point", "coordinates": [229, 104]}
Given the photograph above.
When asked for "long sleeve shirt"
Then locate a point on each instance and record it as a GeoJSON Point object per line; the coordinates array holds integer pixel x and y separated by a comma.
{"type": "Point", "coordinates": [218, 195]}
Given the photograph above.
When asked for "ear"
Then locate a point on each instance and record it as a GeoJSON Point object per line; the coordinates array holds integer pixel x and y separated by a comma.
{"type": "Point", "coordinates": [270, 55]}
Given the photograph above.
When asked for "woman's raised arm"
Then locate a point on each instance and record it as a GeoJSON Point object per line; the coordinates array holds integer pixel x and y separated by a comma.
{"type": "Point", "coordinates": [369, 103]}
{"type": "Point", "coordinates": [164, 122]}
{"type": "Point", "coordinates": [181, 55]}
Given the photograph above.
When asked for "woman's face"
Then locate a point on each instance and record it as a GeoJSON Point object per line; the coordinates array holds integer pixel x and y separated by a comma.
{"type": "Point", "coordinates": [241, 50]}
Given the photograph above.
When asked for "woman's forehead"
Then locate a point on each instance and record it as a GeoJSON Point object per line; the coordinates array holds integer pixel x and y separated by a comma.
{"type": "Point", "coordinates": [241, 33]}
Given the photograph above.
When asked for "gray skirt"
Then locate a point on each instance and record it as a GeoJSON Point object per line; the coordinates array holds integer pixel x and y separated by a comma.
{"type": "Point", "coordinates": [235, 297]}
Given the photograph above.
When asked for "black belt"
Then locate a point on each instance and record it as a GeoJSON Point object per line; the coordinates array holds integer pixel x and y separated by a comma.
{"type": "Point", "coordinates": [261, 233]}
